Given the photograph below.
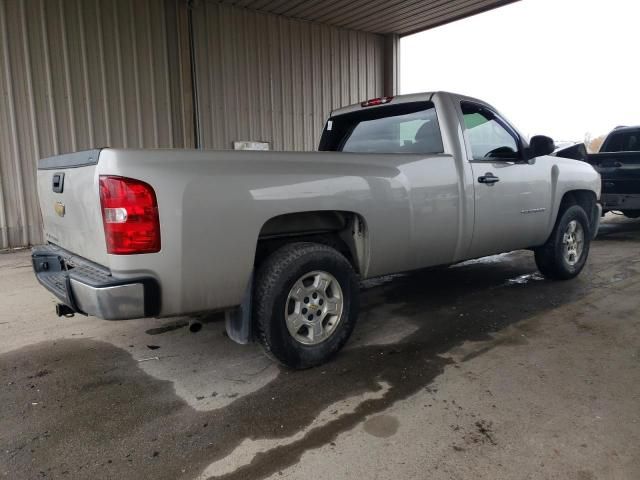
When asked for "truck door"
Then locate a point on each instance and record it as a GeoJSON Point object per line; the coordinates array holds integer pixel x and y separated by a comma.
{"type": "Point", "coordinates": [416, 222]}
{"type": "Point", "coordinates": [512, 196]}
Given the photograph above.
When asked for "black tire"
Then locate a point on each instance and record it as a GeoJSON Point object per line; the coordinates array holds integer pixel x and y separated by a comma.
{"type": "Point", "coordinates": [275, 279]}
{"type": "Point", "coordinates": [550, 257]}
{"type": "Point", "coordinates": [631, 213]}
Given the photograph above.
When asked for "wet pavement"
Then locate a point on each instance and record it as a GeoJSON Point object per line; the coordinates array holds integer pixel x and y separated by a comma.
{"type": "Point", "coordinates": [481, 370]}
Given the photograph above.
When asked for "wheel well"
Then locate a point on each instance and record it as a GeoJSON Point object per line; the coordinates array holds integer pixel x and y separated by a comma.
{"type": "Point", "coordinates": [584, 198]}
{"type": "Point", "coordinates": [344, 231]}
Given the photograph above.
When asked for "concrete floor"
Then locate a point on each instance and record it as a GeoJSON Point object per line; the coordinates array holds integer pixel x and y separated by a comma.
{"type": "Point", "coordinates": [482, 370]}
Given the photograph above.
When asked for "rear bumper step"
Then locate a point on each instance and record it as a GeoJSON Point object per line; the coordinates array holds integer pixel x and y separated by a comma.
{"type": "Point", "coordinates": [616, 201]}
{"type": "Point", "coordinates": [91, 289]}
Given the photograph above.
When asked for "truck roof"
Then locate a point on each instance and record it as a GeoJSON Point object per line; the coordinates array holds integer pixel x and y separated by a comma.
{"type": "Point", "coordinates": [413, 97]}
{"type": "Point", "coordinates": [625, 128]}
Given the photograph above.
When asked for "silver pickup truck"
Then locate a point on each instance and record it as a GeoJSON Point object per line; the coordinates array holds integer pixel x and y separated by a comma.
{"type": "Point", "coordinates": [279, 240]}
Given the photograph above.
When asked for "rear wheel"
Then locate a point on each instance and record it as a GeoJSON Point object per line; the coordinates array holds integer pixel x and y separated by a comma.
{"type": "Point", "coordinates": [305, 304]}
{"type": "Point", "coordinates": [631, 213]}
{"type": "Point", "coordinates": [566, 251]}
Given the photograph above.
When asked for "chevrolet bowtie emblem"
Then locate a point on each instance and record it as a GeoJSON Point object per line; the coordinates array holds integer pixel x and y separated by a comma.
{"type": "Point", "coordinates": [59, 208]}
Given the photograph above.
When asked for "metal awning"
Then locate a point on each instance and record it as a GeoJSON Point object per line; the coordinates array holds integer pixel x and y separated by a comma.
{"type": "Point", "coordinates": [401, 17]}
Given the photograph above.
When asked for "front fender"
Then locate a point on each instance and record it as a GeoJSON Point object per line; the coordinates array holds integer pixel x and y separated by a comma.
{"type": "Point", "coordinates": [572, 176]}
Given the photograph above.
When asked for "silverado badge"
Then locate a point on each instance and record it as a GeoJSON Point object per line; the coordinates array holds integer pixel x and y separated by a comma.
{"type": "Point", "coordinates": [59, 208]}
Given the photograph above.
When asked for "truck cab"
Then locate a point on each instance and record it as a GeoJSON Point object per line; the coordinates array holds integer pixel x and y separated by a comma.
{"type": "Point", "coordinates": [503, 181]}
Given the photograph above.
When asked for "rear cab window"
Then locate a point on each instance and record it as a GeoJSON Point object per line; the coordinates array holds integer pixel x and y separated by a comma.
{"type": "Point", "coordinates": [622, 141]}
{"type": "Point", "coordinates": [404, 128]}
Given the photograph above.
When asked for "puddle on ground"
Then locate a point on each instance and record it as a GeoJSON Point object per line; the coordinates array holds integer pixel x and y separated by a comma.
{"type": "Point", "coordinates": [379, 281]}
{"type": "Point", "coordinates": [247, 451]}
{"type": "Point", "coordinates": [381, 426]}
{"type": "Point", "coordinates": [167, 328]}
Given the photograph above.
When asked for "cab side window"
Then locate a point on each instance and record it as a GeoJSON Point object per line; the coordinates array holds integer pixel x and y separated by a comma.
{"type": "Point", "coordinates": [488, 135]}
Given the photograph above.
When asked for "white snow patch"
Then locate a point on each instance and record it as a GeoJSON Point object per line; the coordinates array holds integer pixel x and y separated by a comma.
{"type": "Point", "coordinates": [491, 259]}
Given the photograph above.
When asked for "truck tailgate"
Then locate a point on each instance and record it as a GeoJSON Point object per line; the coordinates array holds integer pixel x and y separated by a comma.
{"type": "Point", "coordinates": [620, 171]}
{"type": "Point", "coordinates": [69, 196]}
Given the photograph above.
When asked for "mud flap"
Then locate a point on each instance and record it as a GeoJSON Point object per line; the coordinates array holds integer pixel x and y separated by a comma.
{"type": "Point", "coordinates": [238, 320]}
{"type": "Point", "coordinates": [596, 214]}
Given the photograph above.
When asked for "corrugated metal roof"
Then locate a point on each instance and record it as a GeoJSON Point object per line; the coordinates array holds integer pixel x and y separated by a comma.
{"type": "Point", "coordinates": [402, 17]}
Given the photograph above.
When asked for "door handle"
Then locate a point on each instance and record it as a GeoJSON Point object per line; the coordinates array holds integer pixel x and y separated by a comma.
{"type": "Point", "coordinates": [488, 178]}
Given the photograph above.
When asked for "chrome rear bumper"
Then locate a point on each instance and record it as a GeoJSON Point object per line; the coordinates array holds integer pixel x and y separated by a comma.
{"type": "Point", "coordinates": [91, 289]}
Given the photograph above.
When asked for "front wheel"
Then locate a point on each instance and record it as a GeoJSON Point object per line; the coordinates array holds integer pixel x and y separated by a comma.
{"type": "Point", "coordinates": [305, 304]}
{"type": "Point", "coordinates": [566, 251]}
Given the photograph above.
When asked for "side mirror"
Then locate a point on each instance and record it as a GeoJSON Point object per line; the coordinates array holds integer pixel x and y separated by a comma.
{"type": "Point", "coordinates": [540, 146]}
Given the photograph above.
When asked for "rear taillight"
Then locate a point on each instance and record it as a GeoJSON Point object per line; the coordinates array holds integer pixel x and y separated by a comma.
{"type": "Point", "coordinates": [376, 101]}
{"type": "Point", "coordinates": [130, 216]}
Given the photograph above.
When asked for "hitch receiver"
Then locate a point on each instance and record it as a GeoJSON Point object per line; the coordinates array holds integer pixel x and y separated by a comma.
{"type": "Point", "coordinates": [63, 310]}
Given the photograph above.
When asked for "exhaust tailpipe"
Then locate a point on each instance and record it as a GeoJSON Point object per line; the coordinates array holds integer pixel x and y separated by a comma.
{"type": "Point", "coordinates": [63, 310]}
{"type": "Point", "coordinates": [194, 326]}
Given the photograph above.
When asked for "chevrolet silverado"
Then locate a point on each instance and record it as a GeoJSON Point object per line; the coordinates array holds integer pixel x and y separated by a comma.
{"type": "Point", "coordinates": [279, 240]}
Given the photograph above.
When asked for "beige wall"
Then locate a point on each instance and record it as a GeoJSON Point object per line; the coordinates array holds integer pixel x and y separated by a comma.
{"type": "Point", "coordinates": [271, 78]}
{"type": "Point", "coordinates": [77, 74]}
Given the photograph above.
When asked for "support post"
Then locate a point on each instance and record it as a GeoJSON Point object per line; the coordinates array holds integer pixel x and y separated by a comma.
{"type": "Point", "coordinates": [391, 65]}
